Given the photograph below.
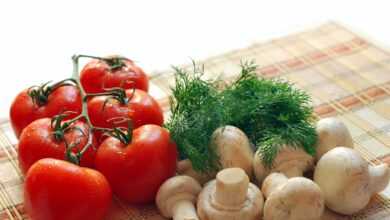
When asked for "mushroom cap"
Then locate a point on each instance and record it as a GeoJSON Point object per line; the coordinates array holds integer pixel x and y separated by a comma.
{"type": "Point", "coordinates": [233, 148]}
{"type": "Point", "coordinates": [299, 198]}
{"type": "Point", "coordinates": [331, 132]}
{"type": "Point", "coordinates": [343, 176]}
{"type": "Point", "coordinates": [208, 209]}
{"type": "Point", "coordinates": [289, 161]}
{"type": "Point", "coordinates": [176, 189]}
{"type": "Point", "coordinates": [184, 167]}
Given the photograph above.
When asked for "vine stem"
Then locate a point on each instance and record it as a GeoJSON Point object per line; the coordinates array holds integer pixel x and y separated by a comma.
{"type": "Point", "coordinates": [84, 111]}
{"type": "Point", "coordinates": [76, 157]}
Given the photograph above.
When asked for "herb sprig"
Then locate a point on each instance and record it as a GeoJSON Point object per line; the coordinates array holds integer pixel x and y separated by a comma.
{"type": "Point", "coordinates": [272, 113]}
{"type": "Point", "coordinates": [196, 112]}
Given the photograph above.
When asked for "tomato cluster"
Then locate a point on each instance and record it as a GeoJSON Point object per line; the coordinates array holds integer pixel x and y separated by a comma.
{"type": "Point", "coordinates": [83, 138]}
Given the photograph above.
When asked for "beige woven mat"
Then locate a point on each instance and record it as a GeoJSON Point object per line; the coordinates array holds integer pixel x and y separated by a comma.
{"type": "Point", "coordinates": [346, 75]}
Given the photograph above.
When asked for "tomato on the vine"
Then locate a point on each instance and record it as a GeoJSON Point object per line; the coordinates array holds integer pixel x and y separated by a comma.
{"type": "Point", "coordinates": [136, 165]}
{"type": "Point", "coordinates": [43, 101]}
{"type": "Point", "coordinates": [59, 190]}
{"type": "Point", "coordinates": [134, 104]}
{"type": "Point", "coordinates": [100, 74]}
{"type": "Point", "coordinates": [41, 139]}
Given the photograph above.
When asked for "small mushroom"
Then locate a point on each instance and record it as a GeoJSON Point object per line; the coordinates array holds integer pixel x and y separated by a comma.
{"type": "Point", "coordinates": [347, 181]}
{"type": "Point", "coordinates": [289, 161]}
{"type": "Point", "coordinates": [230, 197]}
{"type": "Point", "coordinates": [331, 133]}
{"type": "Point", "coordinates": [296, 198]}
{"type": "Point", "coordinates": [177, 196]}
{"type": "Point", "coordinates": [184, 167]}
{"type": "Point", "coordinates": [233, 148]}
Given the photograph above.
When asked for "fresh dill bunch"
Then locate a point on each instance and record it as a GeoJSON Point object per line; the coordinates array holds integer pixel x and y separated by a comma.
{"type": "Point", "coordinates": [272, 113]}
{"type": "Point", "coordinates": [196, 113]}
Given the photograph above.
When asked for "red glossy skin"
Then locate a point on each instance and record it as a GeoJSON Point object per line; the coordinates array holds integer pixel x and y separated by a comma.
{"type": "Point", "coordinates": [24, 111]}
{"type": "Point", "coordinates": [59, 190]}
{"type": "Point", "coordinates": [136, 171]}
{"type": "Point", "coordinates": [141, 109]}
{"type": "Point", "coordinates": [96, 75]}
{"type": "Point", "coordinates": [37, 142]}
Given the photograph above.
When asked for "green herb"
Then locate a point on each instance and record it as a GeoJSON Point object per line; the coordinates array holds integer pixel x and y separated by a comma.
{"type": "Point", "coordinates": [196, 113]}
{"type": "Point", "coordinates": [272, 113]}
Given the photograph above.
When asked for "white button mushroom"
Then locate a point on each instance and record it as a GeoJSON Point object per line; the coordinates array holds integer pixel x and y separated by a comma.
{"type": "Point", "coordinates": [296, 198]}
{"type": "Point", "coordinates": [177, 196]}
{"type": "Point", "coordinates": [230, 197]}
{"type": "Point", "coordinates": [347, 181]}
{"type": "Point", "coordinates": [331, 133]}
{"type": "Point", "coordinates": [289, 161]}
{"type": "Point", "coordinates": [233, 148]}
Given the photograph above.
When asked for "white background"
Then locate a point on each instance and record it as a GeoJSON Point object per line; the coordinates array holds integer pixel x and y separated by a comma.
{"type": "Point", "coordinates": [37, 38]}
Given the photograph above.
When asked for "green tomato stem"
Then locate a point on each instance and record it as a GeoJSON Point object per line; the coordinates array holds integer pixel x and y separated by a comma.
{"type": "Point", "coordinates": [84, 111]}
{"type": "Point", "coordinates": [40, 94]}
{"type": "Point", "coordinates": [114, 62]}
{"type": "Point", "coordinates": [126, 138]}
{"type": "Point", "coordinates": [117, 93]}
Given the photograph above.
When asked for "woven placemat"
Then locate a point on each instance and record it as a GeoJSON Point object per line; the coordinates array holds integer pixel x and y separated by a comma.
{"type": "Point", "coordinates": [347, 76]}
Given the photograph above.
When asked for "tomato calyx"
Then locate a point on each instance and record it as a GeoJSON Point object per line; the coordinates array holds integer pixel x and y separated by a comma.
{"type": "Point", "coordinates": [70, 155]}
{"type": "Point", "coordinates": [60, 128]}
{"type": "Point", "coordinates": [116, 93]}
{"type": "Point", "coordinates": [40, 94]}
{"type": "Point", "coordinates": [123, 134]}
{"type": "Point", "coordinates": [114, 62]}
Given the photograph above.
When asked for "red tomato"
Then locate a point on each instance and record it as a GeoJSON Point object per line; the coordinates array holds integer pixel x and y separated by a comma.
{"type": "Point", "coordinates": [37, 141]}
{"type": "Point", "coordinates": [59, 190]}
{"type": "Point", "coordinates": [136, 170]}
{"type": "Point", "coordinates": [98, 75]}
{"type": "Point", "coordinates": [141, 109]}
{"type": "Point", "coordinates": [25, 110]}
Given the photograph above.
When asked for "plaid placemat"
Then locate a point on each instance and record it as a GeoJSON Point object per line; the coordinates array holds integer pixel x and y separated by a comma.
{"type": "Point", "coordinates": [347, 76]}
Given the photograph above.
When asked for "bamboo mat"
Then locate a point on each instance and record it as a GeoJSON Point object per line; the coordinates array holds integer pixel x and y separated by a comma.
{"type": "Point", "coordinates": [347, 76]}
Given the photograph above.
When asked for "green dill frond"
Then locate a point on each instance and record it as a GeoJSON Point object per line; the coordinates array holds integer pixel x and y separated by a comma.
{"type": "Point", "coordinates": [272, 113]}
{"type": "Point", "coordinates": [196, 113]}
{"type": "Point", "coordinates": [300, 135]}
{"type": "Point", "coordinates": [248, 69]}
{"type": "Point", "coordinates": [268, 148]}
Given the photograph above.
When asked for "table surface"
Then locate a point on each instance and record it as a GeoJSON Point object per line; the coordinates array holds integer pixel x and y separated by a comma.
{"type": "Point", "coordinates": [38, 37]}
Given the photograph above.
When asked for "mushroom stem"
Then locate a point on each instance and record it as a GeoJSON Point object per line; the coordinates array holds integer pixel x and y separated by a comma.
{"type": "Point", "coordinates": [379, 176]}
{"type": "Point", "coordinates": [230, 197]}
{"type": "Point", "coordinates": [231, 187]}
{"type": "Point", "coordinates": [274, 181]}
{"type": "Point", "coordinates": [184, 210]}
{"type": "Point", "coordinates": [177, 196]}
